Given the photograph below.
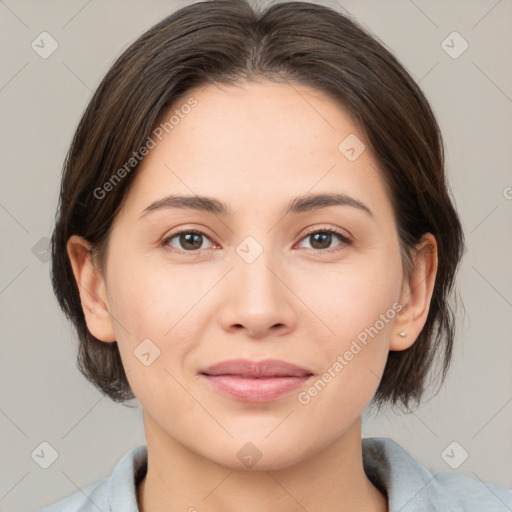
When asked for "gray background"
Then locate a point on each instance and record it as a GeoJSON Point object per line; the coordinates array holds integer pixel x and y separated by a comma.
{"type": "Point", "coordinates": [45, 398]}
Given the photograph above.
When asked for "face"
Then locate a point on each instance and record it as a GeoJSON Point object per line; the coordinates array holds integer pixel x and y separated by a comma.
{"type": "Point", "coordinates": [314, 287]}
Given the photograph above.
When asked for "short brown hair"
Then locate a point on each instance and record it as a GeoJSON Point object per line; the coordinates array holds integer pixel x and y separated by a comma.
{"type": "Point", "coordinates": [229, 41]}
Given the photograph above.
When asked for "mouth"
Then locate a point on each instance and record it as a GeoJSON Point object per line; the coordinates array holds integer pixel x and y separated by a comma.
{"type": "Point", "coordinates": [255, 381]}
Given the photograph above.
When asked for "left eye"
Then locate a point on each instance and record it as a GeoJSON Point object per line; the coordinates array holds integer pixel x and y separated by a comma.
{"type": "Point", "coordinates": [191, 241]}
{"type": "Point", "coordinates": [324, 237]}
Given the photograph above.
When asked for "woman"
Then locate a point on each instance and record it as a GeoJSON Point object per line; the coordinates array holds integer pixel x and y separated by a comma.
{"type": "Point", "coordinates": [256, 240]}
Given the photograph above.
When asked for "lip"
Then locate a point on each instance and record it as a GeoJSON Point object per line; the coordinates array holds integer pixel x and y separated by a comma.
{"type": "Point", "coordinates": [264, 368]}
{"type": "Point", "coordinates": [255, 381]}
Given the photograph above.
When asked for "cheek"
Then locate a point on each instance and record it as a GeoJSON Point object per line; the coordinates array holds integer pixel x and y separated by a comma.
{"type": "Point", "coordinates": [358, 306]}
{"type": "Point", "coordinates": [143, 296]}
{"type": "Point", "coordinates": [139, 305]}
{"type": "Point", "coordinates": [147, 312]}
{"type": "Point", "coordinates": [351, 298]}
{"type": "Point", "coordinates": [155, 312]}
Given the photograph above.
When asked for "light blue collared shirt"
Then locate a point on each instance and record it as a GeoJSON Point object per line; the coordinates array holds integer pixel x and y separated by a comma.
{"type": "Point", "coordinates": [408, 484]}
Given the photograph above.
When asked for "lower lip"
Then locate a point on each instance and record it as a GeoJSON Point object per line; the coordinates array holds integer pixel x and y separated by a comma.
{"type": "Point", "coordinates": [255, 389]}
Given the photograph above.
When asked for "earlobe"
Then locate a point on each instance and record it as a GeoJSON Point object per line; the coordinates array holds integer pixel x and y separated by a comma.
{"type": "Point", "coordinates": [91, 286]}
{"type": "Point", "coordinates": [416, 295]}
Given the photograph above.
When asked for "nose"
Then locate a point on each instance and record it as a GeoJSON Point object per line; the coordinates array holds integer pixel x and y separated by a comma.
{"type": "Point", "coordinates": [258, 297]}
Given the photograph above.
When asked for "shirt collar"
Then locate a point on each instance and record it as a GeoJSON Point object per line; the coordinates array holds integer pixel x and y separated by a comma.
{"type": "Point", "coordinates": [408, 485]}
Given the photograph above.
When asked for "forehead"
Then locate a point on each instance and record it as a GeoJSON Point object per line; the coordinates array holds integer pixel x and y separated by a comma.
{"type": "Point", "coordinates": [261, 141]}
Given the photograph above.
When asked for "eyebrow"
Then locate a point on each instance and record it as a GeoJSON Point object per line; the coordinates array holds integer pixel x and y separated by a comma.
{"type": "Point", "coordinates": [301, 204]}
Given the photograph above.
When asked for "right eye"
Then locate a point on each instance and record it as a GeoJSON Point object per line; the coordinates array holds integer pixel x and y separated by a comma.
{"type": "Point", "coordinates": [190, 240]}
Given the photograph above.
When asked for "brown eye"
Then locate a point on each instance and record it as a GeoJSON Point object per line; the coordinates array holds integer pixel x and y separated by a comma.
{"type": "Point", "coordinates": [321, 240]}
{"type": "Point", "coordinates": [189, 241]}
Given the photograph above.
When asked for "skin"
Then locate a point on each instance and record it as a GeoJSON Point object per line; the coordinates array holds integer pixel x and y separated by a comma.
{"type": "Point", "coordinates": [292, 303]}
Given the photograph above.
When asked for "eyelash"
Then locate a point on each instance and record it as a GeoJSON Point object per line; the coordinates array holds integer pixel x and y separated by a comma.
{"type": "Point", "coordinates": [344, 239]}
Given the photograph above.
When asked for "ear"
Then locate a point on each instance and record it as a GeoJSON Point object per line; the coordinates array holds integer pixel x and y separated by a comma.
{"type": "Point", "coordinates": [91, 286]}
{"type": "Point", "coordinates": [416, 294]}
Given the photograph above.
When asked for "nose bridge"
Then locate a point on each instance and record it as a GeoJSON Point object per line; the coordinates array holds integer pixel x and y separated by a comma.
{"type": "Point", "coordinates": [256, 265]}
{"type": "Point", "coordinates": [260, 300]}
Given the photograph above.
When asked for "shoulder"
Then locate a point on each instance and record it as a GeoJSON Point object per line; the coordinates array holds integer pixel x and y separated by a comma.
{"type": "Point", "coordinates": [474, 493]}
{"type": "Point", "coordinates": [411, 486]}
{"type": "Point", "coordinates": [111, 494]}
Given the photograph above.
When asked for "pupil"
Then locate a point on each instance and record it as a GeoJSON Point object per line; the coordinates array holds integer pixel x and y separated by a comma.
{"type": "Point", "coordinates": [188, 239]}
{"type": "Point", "coordinates": [326, 237]}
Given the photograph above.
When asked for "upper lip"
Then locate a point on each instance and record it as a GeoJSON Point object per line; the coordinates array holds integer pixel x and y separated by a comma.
{"type": "Point", "coordinates": [264, 368]}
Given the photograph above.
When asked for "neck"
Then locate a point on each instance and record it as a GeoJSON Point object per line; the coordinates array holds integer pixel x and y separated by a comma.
{"type": "Point", "coordinates": [329, 481]}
